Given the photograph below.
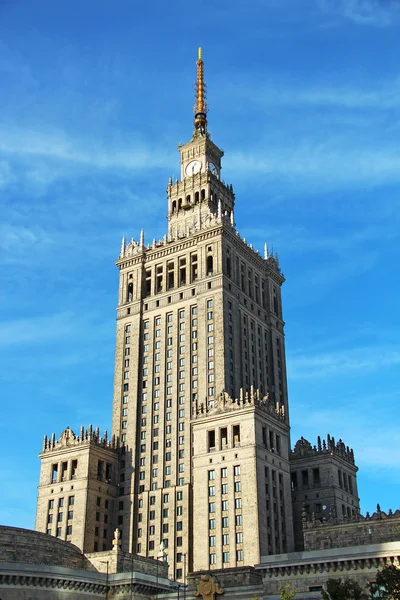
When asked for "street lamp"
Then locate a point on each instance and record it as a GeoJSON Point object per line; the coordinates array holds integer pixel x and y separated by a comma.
{"type": "Point", "coordinates": [161, 553]}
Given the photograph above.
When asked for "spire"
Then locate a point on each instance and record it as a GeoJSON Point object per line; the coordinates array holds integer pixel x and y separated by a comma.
{"type": "Point", "coordinates": [200, 107]}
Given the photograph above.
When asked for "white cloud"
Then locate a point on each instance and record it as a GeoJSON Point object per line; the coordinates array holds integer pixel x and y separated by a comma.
{"type": "Point", "coordinates": [59, 147]}
{"type": "Point", "coordinates": [378, 13]}
{"type": "Point", "coordinates": [381, 97]}
{"type": "Point", "coordinates": [336, 163]}
{"type": "Point", "coordinates": [357, 360]}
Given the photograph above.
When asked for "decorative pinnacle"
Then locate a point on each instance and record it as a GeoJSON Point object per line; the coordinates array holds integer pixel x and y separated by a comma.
{"type": "Point", "coordinates": [200, 107]}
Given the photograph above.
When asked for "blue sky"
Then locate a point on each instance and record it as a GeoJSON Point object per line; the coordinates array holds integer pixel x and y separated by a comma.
{"type": "Point", "coordinates": [304, 98]}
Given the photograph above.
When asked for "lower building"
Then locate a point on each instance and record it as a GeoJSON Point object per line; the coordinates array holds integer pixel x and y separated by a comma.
{"type": "Point", "coordinates": [36, 566]}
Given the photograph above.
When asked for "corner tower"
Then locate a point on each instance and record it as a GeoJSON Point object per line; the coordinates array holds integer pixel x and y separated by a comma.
{"type": "Point", "coordinates": [200, 380]}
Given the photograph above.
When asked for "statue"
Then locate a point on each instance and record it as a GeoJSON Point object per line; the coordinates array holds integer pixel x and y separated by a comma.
{"type": "Point", "coordinates": [207, 588]}
{"type": "Point", "coordinates": [116, 541]}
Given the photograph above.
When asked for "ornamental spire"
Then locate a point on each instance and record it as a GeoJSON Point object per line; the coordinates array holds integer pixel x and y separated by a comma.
{"type": "Point", "coordinates": [200, 107]}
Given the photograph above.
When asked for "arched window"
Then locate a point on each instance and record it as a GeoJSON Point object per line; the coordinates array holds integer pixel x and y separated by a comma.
{"type": "Point", "coordinates": [196, 198]}
{"type": "Point", "coordinates": [129, 293]}
{"type": "Point", "coordinates": [187, 199]}
{"type": "Point", "coordinates": [179, 203]}
{"type": "Point", "coordinates": [174, 206]}
{"type": "Point", "coordinates": [209, 265]}
{"type": "Point", "coordinates": [203, 194]}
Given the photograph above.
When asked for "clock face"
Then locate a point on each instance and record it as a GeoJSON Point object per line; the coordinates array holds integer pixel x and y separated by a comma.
{"type": "Point", "coordinates": [213, 168]}
{"type": "Point", "coordinates": [193, 167]}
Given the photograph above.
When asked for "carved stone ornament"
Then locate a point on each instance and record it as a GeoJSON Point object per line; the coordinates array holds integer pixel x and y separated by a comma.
{"type": "Point", "coordinates": [207, 588]}
{"type": "Point", "coordinates": [67, 437]}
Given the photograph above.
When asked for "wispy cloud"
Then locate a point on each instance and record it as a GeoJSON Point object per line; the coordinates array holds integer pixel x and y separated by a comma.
{"type": "Point", "coordinates": [40, 329]}
{"type": "Point", "coordinates": [58, 146]}
{"type": "Point", "coordinates": [383, 96]}
{"type": "Point", "coordinates": [377, 13]}
{"type": "Point", "coordinates": [325, 163]}
{"type": "Point", "coordinates": [357, 360]}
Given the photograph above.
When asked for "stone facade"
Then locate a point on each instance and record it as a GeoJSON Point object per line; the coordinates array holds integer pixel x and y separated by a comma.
{"type": "Point", "coordinates": [36, 566]}
{"type": "Point", "coordinates": [380, 528]}
{"type": "Point", "coordinates": [77, 489]}
{"type": "Point", "coordinates": [199, 318]}
{"type": "Point", "coordinates": [324, 483]}
{"type": "Point", "coordinates": [308, 571]}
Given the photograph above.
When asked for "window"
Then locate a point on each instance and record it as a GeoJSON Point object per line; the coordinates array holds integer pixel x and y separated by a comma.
{"type": "Point", "coordinates": [239, 555]}
{"type": "Point", "coordinates": [224, 488]}
{"type": "Point", "coordinates": [211, 507]}
{"type": "Point", "coordinates": [212, 541]}
{"type": "Point", "coordinates": [225, 539]}
{"type": "Point", "coordinates": [239, 538]}
{"type": "Point", "coordinates": [225, 557]}
{"type": "Point", "coordinates": [213, 559]}
{"type": "Point", "coordinates": [179, 541]}
{"type": "Point", "coordinates": [304, 475]}
{"type": "Point", "coordinates": [211, 490]}
{"type": "Point", "coordinates": [224, 473]}
{"type": "Point", "coordinates": [211, 524]}
{"type": "Point", "coordinates": [225, 522]}
{"type": "Point", "coordinates": [316, 477]}
{"type": "Point", "coordinates": [211, 475]}
{"type": "Point", "coordinates": [238, 503]}
{"type": "Point", "coordinates": [69, 529]}
{"type": "Point", "coordinates": [179, 510]}
{"type": "Point", "coordinates": [236, 470]}
{"type": "Point", "coordinates": [224, 504]}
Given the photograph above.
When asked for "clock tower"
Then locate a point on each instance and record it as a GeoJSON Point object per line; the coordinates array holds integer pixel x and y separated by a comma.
{"type": "Point", "coordinates": [200, 193]}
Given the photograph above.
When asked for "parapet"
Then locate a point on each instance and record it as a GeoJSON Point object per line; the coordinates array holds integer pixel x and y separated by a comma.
{"type": "Point", "coordinates": [303, 448]}
{"type": "Point", "coordinates": [225, 403]}
{"type": "Point", "coordinates": [68, 439]}
{"type": "Point", "coordinates": [310, 522]}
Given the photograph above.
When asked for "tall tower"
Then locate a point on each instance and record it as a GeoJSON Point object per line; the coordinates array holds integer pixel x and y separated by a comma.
{"type": "Point", "coordinates": [200, 394]}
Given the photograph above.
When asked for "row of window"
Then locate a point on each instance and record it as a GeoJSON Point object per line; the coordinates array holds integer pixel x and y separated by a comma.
{"type": "Point", "coordinates": [212, 539]}
{"type": "Point", "coordinates": [225, 522]}
{"type": "Point", "coordinates": [68, 531]}
{"type": "Point", "coordinates": [63, 471]}
{"type": "Point", "coordinates": [174, 274]}
{"type": "Point", "coordinates": [226, 557]}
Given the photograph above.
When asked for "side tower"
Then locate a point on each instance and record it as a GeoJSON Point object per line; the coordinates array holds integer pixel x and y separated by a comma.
{"type": "Point", "coordinates": [199, 324]}
{"type": "Point", "coordinates": [324, 483]}
{"type": "Point", "coordinates": [77, 489]}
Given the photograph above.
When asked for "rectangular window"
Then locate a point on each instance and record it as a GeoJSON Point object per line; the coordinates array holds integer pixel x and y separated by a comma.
{"type": "Point", "coordinates": [225, 557]}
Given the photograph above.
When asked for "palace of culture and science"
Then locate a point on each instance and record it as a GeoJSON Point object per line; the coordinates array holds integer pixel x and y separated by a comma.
{"type": "Point", "coordinates": [199, 465]}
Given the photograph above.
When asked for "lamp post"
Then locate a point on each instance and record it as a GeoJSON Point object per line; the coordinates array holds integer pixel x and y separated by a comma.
{"type": "Point", "coordinates": [161, 553]}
